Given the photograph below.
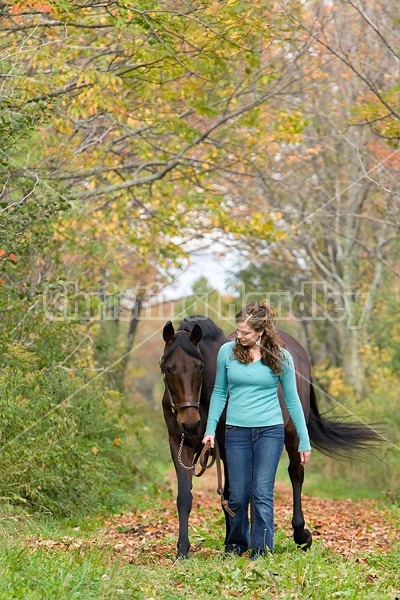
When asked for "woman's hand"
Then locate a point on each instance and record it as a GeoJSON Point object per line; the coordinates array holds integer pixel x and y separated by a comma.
{"type": "Point", "coordinates": [304, 457]}
{"type": "Point", "coordinates": [209, 438]}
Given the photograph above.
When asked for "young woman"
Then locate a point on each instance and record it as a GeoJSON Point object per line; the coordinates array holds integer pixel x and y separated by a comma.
{"type": "Point", "coordinates": [248, 373]}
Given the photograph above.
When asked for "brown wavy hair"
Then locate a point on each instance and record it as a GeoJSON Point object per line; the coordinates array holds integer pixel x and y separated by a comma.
{"type": "Point", "coordinates": [261, 317]}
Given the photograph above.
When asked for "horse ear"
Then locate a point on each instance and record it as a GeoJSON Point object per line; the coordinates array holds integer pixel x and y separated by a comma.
{"type": "Point", "coordinates": [196, 334]}
{"type": "Point", "coordinates": [168, 333]}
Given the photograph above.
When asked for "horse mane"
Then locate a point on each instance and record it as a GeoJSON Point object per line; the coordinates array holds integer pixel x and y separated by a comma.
{"type": "Point", "coordinates": [210, 330]}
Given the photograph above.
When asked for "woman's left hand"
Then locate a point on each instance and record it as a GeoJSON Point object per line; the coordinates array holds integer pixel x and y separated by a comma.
{"type": "Point", "coordinates": [305, 457]}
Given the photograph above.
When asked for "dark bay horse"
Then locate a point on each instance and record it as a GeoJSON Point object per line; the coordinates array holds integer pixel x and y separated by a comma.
{"type": "Point", "coordinates": [188, 366]}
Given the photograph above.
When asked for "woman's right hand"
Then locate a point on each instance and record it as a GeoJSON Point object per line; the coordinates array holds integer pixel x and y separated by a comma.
{"type": "Point", "coordinates": [209, 438]}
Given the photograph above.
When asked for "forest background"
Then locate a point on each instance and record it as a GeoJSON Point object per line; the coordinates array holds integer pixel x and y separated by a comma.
{"type": "Point", "coordinates": [135, 135]}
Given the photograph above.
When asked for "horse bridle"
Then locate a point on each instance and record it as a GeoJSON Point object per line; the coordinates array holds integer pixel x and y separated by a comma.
{"type": "Point", "coordinates": [174, 408]}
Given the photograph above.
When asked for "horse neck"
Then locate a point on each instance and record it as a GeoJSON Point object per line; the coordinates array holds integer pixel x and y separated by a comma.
{"type": "Point", "coordinates": [209, 350]}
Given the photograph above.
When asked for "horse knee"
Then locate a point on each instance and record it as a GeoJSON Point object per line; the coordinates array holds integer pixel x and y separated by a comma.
{"type": "Point", "coordinates": [184, 502]}
{"type": "Point", "coordinates": [296, 472]}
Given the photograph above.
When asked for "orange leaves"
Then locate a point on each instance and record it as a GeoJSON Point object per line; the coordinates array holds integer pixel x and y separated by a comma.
{"type": "Point", "coordinates": [42, 7]}
{"type": "Point", "coordinates": [348, 527]}
{"type": "Point", "coordinates": [10, 256]}
{"type": "Point", "coordinates": [344, 526]}
{"type": "Point", "coordinates": [141, 536]}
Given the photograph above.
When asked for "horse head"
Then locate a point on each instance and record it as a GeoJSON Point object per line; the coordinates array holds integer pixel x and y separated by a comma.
{"type": "Point", "coordinates": [182, 368]}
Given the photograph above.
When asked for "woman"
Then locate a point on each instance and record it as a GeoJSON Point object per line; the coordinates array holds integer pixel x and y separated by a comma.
{"type": "Point", "coordinates": [249, 371]}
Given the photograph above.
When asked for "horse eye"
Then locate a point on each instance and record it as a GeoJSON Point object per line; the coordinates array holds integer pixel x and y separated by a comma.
{"type": "Point", "coordinates": [201, 367]}
{"type": "Point", "coordinates": [169, 370]}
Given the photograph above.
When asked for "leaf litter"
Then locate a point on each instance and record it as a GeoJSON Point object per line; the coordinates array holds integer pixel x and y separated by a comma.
{"type": "Point", "coordinates": [149, 535]}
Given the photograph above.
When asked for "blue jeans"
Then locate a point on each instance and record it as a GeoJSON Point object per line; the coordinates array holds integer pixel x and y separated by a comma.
{"type": "Point", "coordinates": [252, 455]}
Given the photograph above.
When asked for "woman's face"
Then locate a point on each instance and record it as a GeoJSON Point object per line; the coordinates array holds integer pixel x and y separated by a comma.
{"type": "Point", "coordinates": [246, 335]}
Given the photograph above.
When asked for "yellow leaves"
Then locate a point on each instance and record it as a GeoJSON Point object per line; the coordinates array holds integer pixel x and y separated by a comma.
{"type": "Point", "coordinates": [247, 224]}
{"type": "Point", "coordinates": [142, 89]}
{"type": "Point", "coordinates": [97, 91]}
{"type": "Point", "coordinates": [333, 379]}
{"type": "Point", "coordinates": [95, 450]}
{"type": "Point", "coordinates": [104, 82]}
{"type": "Point", "coordinates": [289, 126]}
{"type": "Point", "coordinates": [260, 225]}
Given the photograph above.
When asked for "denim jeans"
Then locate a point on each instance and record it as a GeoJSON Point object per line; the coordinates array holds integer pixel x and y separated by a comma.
{"type": "Point", "coordinates": [252, 455]}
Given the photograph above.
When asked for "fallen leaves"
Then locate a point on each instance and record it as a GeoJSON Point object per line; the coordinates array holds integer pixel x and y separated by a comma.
{"type": "Point", "coordinates": [146, 536]}
{"type": "Point", "coordinates": [345, 526]}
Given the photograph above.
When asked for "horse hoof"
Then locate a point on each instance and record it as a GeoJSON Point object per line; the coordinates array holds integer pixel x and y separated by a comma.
{"type": "Point", "coordinates": [182, 555]}
{"type": "Point", "coordinates": [304, 540]}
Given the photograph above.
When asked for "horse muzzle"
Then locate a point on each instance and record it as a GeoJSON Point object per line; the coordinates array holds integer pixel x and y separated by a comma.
{"type": "Point", "coordinates": [189, 420]}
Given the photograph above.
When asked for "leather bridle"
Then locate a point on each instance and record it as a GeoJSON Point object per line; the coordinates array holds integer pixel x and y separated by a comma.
{"type": "Point", "coordinates": [175, 407]}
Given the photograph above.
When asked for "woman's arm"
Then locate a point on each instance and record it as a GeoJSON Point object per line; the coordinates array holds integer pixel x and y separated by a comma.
{"type": "Point", "coordinates": [220, 391]}
{"type": "Point", "coordinates": [293, 403]}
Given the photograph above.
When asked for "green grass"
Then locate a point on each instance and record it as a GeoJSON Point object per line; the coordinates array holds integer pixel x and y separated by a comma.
{"type": "Point", "coordinates": [290, 573]}
{"type": "Point", "coordinates": [91, 570]}
{"type": "Point", "coordinates": [338, 479]}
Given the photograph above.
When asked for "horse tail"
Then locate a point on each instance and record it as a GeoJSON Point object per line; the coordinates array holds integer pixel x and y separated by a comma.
{"type": "Point", "coordinates": [340, 437]}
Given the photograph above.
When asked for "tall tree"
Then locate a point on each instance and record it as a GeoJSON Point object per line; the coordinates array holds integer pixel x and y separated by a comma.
{"type": "Point", "coordinates": [335, 192]}
{"type": "Point", "coordinates": [144, 112]}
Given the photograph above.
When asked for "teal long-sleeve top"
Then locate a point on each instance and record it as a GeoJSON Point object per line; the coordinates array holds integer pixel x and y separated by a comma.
{"type": "Point", "coordinates": [253, 395]}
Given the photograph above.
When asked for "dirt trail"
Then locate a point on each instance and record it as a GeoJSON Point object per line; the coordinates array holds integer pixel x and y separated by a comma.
{"type": "Point", "coordinates": [344, 526]}
{"type": "Point", "coordinates": [148, 537]}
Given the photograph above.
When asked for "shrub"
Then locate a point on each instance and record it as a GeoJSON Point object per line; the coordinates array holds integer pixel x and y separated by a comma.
{"type": "Point", "coordinates": [60, 441]}
{"type": "Point", "coordinates": [378, 469]}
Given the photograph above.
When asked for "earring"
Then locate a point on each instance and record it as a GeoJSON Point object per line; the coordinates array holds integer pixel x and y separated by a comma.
{"type": "Point", "coordinates": [258, 342]}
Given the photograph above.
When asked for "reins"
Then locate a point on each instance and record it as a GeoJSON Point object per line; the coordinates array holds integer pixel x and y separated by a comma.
{"type": "Point", "coordinates": [206, 458]}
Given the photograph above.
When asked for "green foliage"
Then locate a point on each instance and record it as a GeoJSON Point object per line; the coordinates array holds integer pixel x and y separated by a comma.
{"type": "Point", "coordinates": [138, 94]}
{"type": "Point", "coordinates": [60, 438]}
{"type": "Point", "coordinates": [376, 472]}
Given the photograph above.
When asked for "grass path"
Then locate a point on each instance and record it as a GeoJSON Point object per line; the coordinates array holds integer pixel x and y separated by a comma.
{"type": "Point", "coordinates": [345, 527]}
{"type": "Point", "coordinates": [355, 554]}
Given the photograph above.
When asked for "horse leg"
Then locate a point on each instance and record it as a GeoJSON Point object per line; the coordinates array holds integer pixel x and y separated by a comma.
{"type": "Point", "coordinates": [301, 536]}
{"type": "Point", "coordinates": [184, 505]}
{"type": "Point", "coordinates": [184, 495]}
